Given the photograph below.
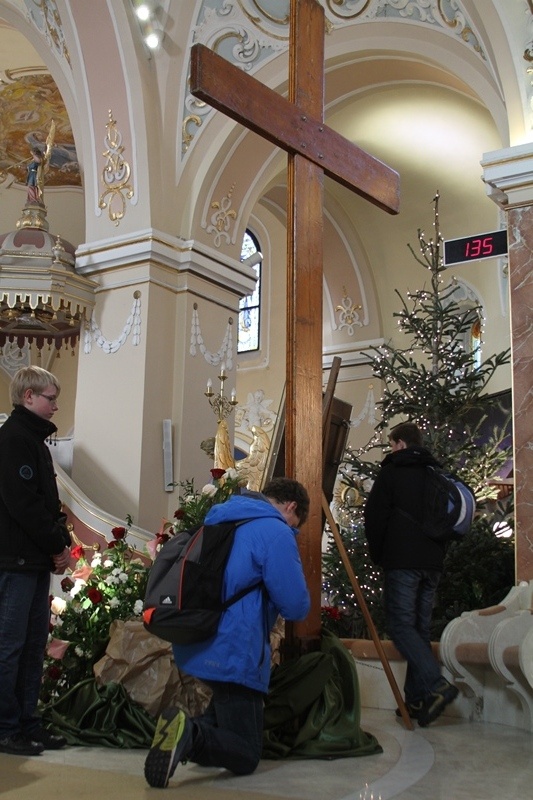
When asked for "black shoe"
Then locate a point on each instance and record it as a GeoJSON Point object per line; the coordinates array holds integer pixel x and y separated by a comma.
{"type": "Point", "coordinates": [49, 740]}
{"type": "Point", "coordinates": [435, 703]}
{"type": "Point", "coordinates": [19, 745]}
{"type": "Point", "coordinates": [413, 709]}
{"type": "Point", "coordinates": [171, 744]}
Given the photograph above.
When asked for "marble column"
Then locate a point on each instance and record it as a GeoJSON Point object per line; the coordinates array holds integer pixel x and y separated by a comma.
{"type": "Point", "coordinates": [508, 175]}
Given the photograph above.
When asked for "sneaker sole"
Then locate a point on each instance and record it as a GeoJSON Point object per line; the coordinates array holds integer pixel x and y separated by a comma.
{"type": "Point", "coordinates": [168, 732]}
{"type": "Point", "coordinates": [434, 711]}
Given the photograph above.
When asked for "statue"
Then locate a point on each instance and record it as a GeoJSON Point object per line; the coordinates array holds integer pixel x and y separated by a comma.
{"type": "Point", "coordinates": [223, 451]}
{"type": "Point", "coordinates": [37, 168]}
{"type": "Point", "coordinates": [252, 467]}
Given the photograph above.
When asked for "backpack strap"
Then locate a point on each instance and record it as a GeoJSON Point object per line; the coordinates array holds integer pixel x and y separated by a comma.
{"type": "Point", "coordinates": [239, 595]}
{"type": "Point", "coordinates": [243, 592]}
{"type": "Point", "coordinates": [409, 516]}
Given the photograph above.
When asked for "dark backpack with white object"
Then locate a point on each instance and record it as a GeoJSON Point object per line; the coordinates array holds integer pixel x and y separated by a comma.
{"type": "Point", "coordinates": [183, 601]}
{"type": "Point", "coordinates": [448, 507]}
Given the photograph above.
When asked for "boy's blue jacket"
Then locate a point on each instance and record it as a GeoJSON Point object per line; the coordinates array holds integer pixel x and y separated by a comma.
{"type": "Point", "coordinates": [264, 549]}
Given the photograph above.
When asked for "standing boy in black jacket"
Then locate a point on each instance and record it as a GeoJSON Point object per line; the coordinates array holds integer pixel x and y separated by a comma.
{"type": "Point", "coordinates": [412, 565]}
{"type": "Point", "coordinates": [34, 541]}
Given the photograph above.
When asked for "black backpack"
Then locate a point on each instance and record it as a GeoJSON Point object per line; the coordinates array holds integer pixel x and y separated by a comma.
{"type": "Point", "coordinates": [183, 601]}
{"type": "Point", "coordinates": [448, 508]}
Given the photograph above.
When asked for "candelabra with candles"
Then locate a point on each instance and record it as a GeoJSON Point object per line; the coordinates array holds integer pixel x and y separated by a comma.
{"type": "Point", "coordinates": [222, 408]}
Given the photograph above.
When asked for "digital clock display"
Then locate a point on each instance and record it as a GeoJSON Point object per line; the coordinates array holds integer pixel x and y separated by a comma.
{"type": "Point", "coordinates": [475, 248]}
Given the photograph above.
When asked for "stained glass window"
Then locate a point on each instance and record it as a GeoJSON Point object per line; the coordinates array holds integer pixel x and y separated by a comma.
{"type": "Point", "coordinates": [250, 306]}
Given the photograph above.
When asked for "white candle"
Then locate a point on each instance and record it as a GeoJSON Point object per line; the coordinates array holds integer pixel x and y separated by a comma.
{"type": "Point", "coordinates": [209, 384]}
{"type": "Point", "coordinates": [233, 394]}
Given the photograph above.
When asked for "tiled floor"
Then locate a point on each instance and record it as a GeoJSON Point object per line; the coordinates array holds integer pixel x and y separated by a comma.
{"type": "Point", "coordinates": [450, 760]}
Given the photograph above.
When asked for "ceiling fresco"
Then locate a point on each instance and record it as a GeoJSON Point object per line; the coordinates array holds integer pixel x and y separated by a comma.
{"type": "Point", "coordinates": [28, 105]}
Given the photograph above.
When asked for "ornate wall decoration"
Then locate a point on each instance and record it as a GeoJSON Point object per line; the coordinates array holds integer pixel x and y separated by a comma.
{"type": "Point", "coordinates": [224, 354]}
{"type": "Point", "coordinates": [247, 33]}
{"type": "Point", "coordinates": [221, 220]}
{"type": "Point", "coordinates": [348, 316]}
{"type": "Point", "coordinates": [47, 19]}
{"type": "Point", "coordinates": [197, 111]}
{"type": "Point", "coordinates": [255, 413]}
{"type": "Point", "coordinates": [133, 323]}
{"type": "Point", "coordinates": [250, 32]}
{"type": "Point", "coordinates": [462, 293]}
{"type": "Point", "coordinates": [443, 13]}
{"type": "Point", "coordinates": [115, 175]}
{"type": "Point", "coordinates": [14, 357]}
{"type": "Point", "coordinates": [368, 411]}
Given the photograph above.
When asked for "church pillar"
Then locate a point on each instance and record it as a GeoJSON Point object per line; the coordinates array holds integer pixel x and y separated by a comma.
{"type": "Point", "coordinates": [165, 319]}
{"type": "Point", "coordinates": [509, 177]}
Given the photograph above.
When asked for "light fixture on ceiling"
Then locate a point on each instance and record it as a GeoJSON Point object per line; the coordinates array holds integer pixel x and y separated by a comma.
{"type": "Point", "coordinates": [152, 37]}
{"type": "Point", "coordinates": [147, 13]}
{"type": "Point", "coordinates": [143, 11]}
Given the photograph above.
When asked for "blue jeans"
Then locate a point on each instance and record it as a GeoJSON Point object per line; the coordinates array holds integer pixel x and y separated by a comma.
{"type": "Point", "coordinates": [24, 625]}
{"type": "Point", "coordinates": [409, 597]}
{"type": "Point", "coordinates": [230, 732]}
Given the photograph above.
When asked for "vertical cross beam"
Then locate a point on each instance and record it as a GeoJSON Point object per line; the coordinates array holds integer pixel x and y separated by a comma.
{"type": "Point", "coordinates": [303, 422]}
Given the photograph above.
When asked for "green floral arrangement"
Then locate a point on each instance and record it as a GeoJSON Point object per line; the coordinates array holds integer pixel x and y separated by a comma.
{"type": "Point", "coordinates": [194, 505]}
{"type": "Point", "coordinates": [110, 585]}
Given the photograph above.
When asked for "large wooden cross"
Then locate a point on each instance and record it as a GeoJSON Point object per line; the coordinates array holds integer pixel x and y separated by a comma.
{"type": "Point", "coordinates": [297, 126]}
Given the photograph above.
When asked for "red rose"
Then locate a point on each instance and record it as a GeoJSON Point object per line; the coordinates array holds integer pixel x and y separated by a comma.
{"type": "Point", "coordinates": [179, 514]}
{"type": "Point", "coordinates": [67, 584]}
{"type": "Point", "coordinates": [217, 473]}
{"type": "Point", "coordinates": [110, 545]}
{"type": "Point", "coordinates": [118, 533]}
{"type": "Point", "coordinates": [95, 595]}
{"type": "Point", "coordinates": [332, 612]}
{"type": "Point", "coordinates": [53, 672]}
{"type": "Point", "coordinates": [77, 552]}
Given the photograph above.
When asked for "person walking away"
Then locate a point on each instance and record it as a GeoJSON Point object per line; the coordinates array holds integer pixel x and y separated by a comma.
{"type": "Point", "coordinates": [235, 662]}
{"type": "Point", "coordinates": [412, 564]}
{"type": "Point", "coordinates": [34, 541]}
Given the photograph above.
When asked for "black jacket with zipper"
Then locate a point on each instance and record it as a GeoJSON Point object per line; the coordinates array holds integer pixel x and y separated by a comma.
{"type": "Point", "coordinates": [32, 525]}
{"type": "Point", "coordinates": [394, 540]}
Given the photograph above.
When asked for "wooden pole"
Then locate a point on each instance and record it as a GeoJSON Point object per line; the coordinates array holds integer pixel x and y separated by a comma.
{"type": "Point", "coordinates": [366, 614]}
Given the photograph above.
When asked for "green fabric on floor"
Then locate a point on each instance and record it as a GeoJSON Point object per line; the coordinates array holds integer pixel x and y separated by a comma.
{"type": "Point", "coordinates": [312, 710]}
{"type": "Point", "coordinates": [99, 715]}
{"type": "Point", "coordinates": [313, 707]}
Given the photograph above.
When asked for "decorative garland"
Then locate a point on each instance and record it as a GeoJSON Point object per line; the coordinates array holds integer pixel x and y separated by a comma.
{"type": "Point", "coordinates": [225, 352]}
{"type": "Point", "coordinates": [93, 332]}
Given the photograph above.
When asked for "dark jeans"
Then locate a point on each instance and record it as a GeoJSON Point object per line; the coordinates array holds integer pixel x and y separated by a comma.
{"type": "Point", "coordinates": [230, 732]}
{"type": "Point", "coordinates": [409, 597]}
{"type": "Point", "coordinates": [24, 624]}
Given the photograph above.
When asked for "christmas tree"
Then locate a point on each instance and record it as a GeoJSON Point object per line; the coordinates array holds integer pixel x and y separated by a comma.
{"type": "Point", "coordinates": [438, 380]}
